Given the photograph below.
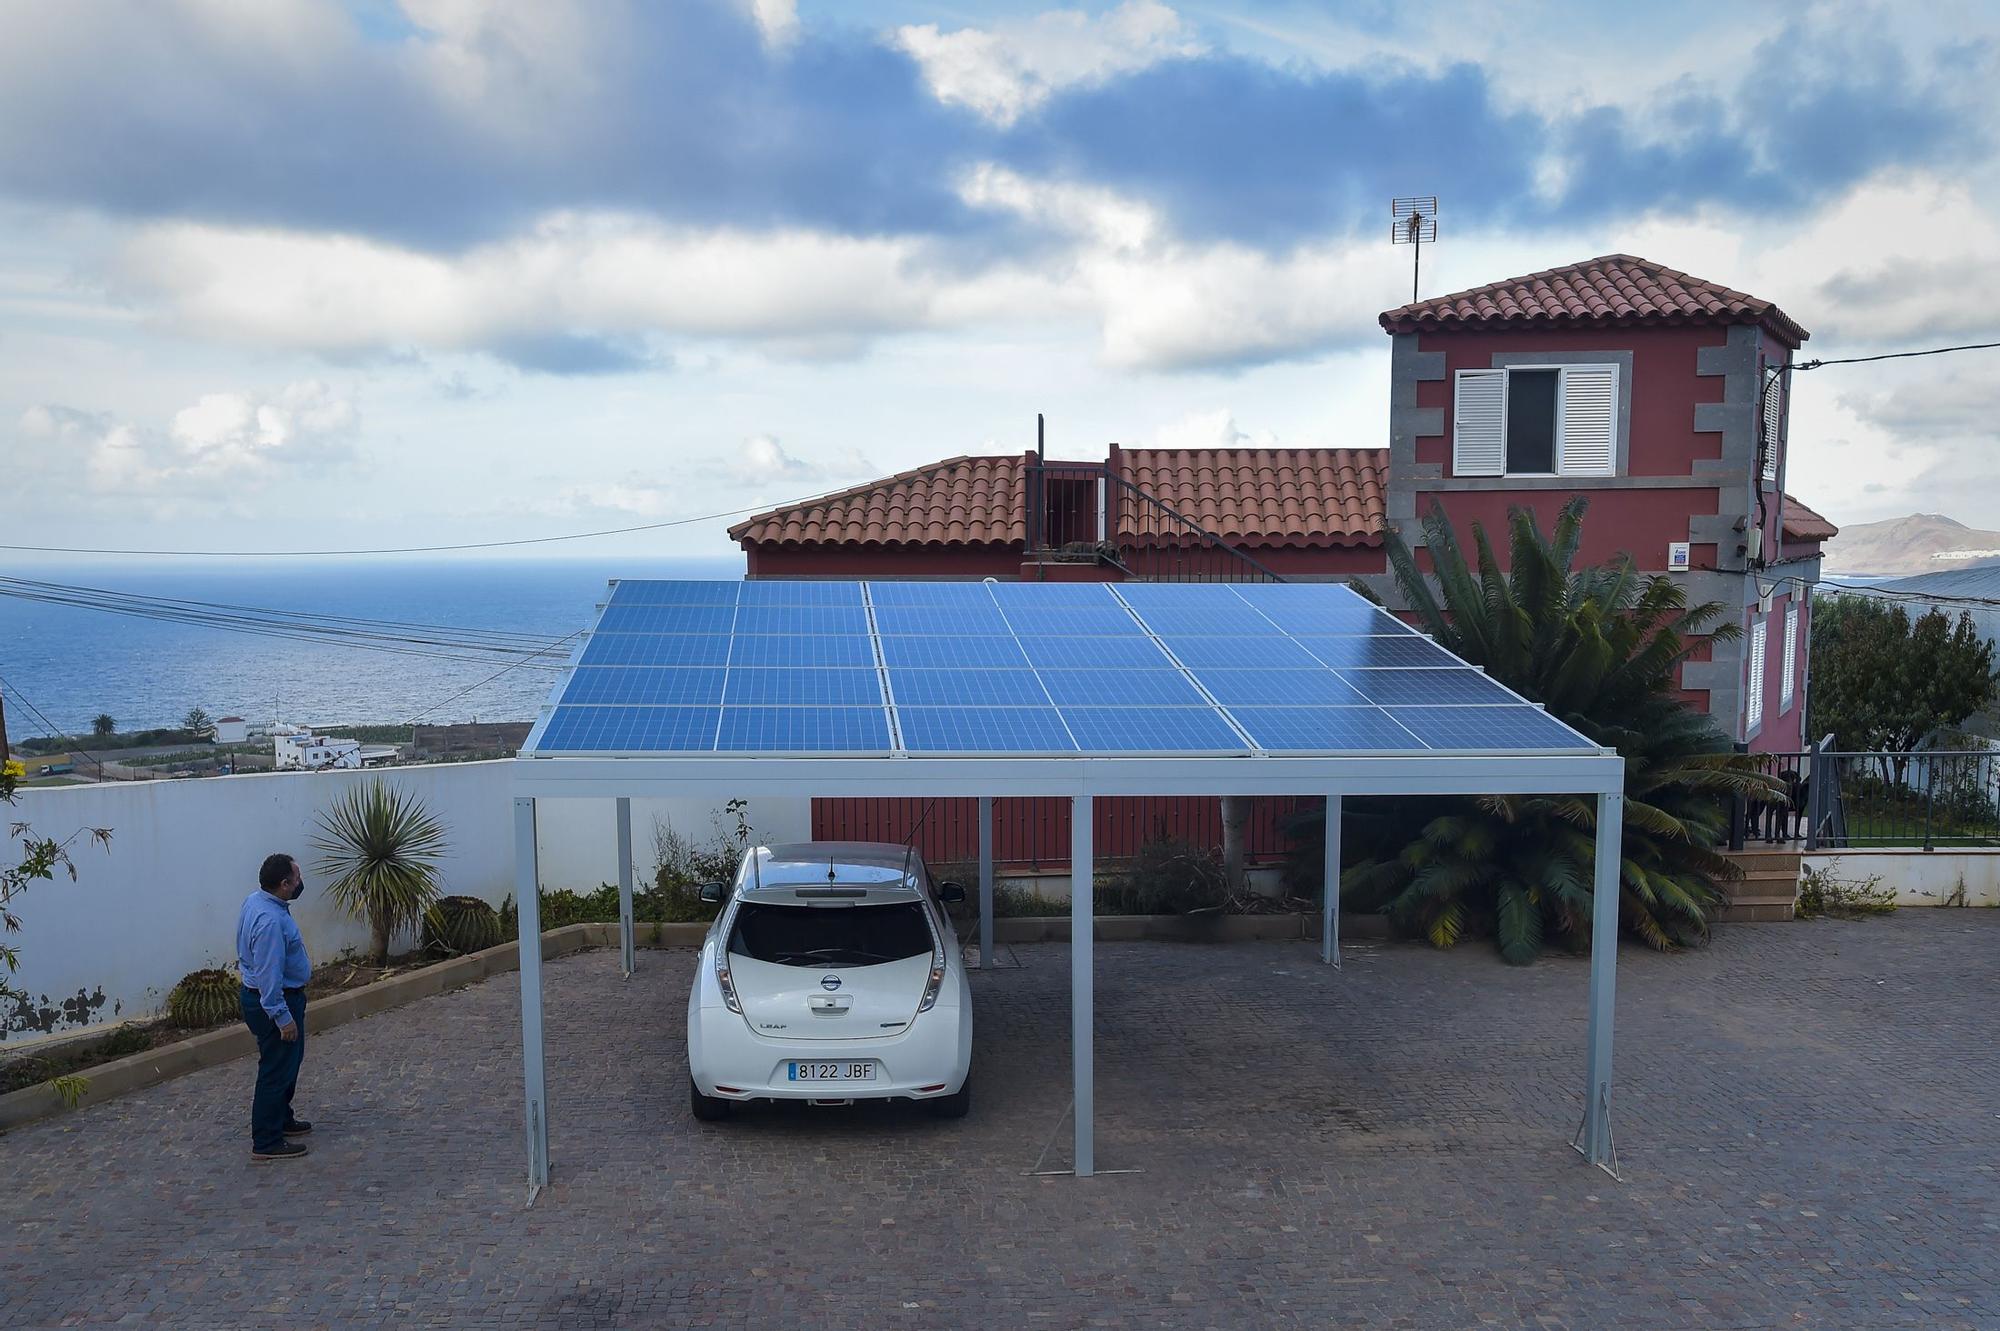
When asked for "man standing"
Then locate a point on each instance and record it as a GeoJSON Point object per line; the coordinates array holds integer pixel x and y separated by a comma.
{"type": "Point", "coordinates": [271, 954]}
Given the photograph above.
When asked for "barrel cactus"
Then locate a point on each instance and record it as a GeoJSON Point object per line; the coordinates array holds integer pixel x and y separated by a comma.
{"type": "Point", "coordinates": [203, 998]}
{"type": "Point", "coordinates": [457, 925]}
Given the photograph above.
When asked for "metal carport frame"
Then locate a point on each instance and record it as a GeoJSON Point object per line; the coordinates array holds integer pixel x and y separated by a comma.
{"type": "Point", "coordinates": [1082, 778]}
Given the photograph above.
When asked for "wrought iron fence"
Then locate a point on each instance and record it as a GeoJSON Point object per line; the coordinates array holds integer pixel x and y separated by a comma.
{"type": "Point", "coordinates": [1924, 798]}
{"type": "Point", "coordinates": [1080, 512]}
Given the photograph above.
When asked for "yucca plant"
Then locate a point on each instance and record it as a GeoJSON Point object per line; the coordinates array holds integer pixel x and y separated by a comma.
{"type": "Point", "coordinates": [458, 925]}
{"type": "Point", "coordinates": [204, 998]}
{"type": "Point", "coordinates": [1599, 648]}
{"type": "Point", "coordinates": [381, 846]}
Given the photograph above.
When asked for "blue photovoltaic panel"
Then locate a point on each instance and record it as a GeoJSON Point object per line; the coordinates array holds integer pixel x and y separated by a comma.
{"type": "Point", "coordinates": [772, 649]}
{"type": "Point", "coordinates": [802, 686]}
{"type": "Point", "coordinates": [1363, 653]}
{"type": "Point", "coordinates": [1238, 654]}
{"type": "Point", "coordinates": [1431, 687]}
{"type": "Point", "coordinates": [1322, 729]}
{"type": "Point", "coordinates": [973, 620]}
{"type": "Point", "coordinates": [1151, 730]}
{"type": "Point", "coordinates": [1518, 727]}
{"type": "Point", "coordinates": [800, 593]}
{"type": "Point", "coordinates": [1279, 688]}
{"type": "Point", "coordinates": [1333, 619]}
{"type": "Point", "coordinates": [630, 730]}
{"type": "Point", "coordinates": [929, 593]}
{"type": "Point", "coordinates": [1095, 654]}
{"type": "Point", "coordinates": [667, 619]}
{"type": "Point", "coordinates": [994, 653]}
{"type": "Point", "coordinates": [1055, 621]}
{"type": "Point", "coordinates": [1209, 621]}
{"type": "Point", "coordinates": [966, 688]}
{"type": "Point", "coordinates": [640, 687]}
{"type": "Point", "coordinates": [656, 649]}
{"type": "Point", "coordinates": [804, 619]}
{"type": "Point", "coordinates": [675, 593]}
{"type": "Point", "coordinates": [983, 730]}
{"type": "Point", "coordinates": [1031, 594]}
{"type": "Point", "coordinates": [803, 730]}
{"type": "Point", "coordinates": [1121, 688]}
{"type": "Point", "coordinates": [1143, 596]}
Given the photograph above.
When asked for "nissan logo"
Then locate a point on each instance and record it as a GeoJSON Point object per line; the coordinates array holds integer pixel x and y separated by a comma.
{"type": "Point", "coordinates": [829, 982]}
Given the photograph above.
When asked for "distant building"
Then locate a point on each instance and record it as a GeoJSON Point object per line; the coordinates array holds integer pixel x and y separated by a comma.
{"type": "Point", "coordinates": [297, 749]}
{"type": "Point", "coordinates": [232, 730]}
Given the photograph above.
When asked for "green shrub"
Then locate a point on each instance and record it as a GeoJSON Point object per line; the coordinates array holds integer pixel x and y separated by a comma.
{"type": "Point", "coordinates": [1167, 877]}
{"type": "Point", "coordinates": [454, 926]}
{"type": "Point", "coordinates": [204, 998]}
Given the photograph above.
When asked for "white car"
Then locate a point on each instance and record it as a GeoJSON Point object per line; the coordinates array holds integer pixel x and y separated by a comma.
{"type": "Point", "coordinates": [831, 974]}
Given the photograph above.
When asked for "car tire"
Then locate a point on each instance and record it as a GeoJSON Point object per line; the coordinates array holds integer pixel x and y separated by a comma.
{"type": "Point", "coordinates": [707, 1108]}
{"type": "Point", "coordinates": [955, 1105]}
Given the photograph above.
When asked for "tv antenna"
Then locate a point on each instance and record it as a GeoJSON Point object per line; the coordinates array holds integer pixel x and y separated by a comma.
{"type": "Point", "coordinates": [1415, 223]}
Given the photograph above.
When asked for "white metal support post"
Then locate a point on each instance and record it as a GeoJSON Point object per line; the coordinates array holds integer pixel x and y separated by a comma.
{"type": "Point", "coordinates": [1329, 924]}
{"type": "Point", "coordinates": [986, 882]}
{"type": "Point", "coordinates": [1082, 979]}
{"type": "Point", "coordinates": [1603, 978]}
{"type": "Point", "coordinates": [625, 885]}
{"type": "Point", "coordinates": [527, 893]}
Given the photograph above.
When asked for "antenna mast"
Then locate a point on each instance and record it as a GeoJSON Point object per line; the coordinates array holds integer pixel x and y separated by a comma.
{"type": "Point", "coordinates": [1414, 222]}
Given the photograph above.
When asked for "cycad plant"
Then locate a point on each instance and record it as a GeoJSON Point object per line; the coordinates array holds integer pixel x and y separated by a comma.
{"type": "Point", "coordinates": [1599, 648]}
{"type": "Point", "coordinates": [381, 846]}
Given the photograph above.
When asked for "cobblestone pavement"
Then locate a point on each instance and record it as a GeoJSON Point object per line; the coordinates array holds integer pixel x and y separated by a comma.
{"type": "Point", "coordinates": [1807, 1117]}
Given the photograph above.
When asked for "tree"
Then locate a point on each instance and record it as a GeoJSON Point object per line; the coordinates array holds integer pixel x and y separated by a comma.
{"type": "Point", "coordinates": [382, 847]}
{"type": "Point", "coordinates": [197, 722]}
{"type": "Point", "coordinates": [1881, 681]}
{"type": "Point", "coordinates": [105, 724]}
{"type": "Point", "coordinates": [1600, 649]}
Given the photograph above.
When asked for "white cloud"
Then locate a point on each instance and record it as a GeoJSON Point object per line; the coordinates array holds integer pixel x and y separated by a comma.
{"type": "Point", "coordinates": [759, 470]}
{"type": "Point", "coordinates": [1211, 429]}
{"type": "Point", "coordinates": [778, 20]}
{"type": "Point", "coordinates": [1006, 70]}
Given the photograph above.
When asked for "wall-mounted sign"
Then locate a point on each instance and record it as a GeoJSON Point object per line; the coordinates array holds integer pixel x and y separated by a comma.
{"type": "Point", "coordinates": [1677, 557]}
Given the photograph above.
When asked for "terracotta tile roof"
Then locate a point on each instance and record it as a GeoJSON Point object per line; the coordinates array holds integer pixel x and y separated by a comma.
{"type": "Point", "coordinates": [960, 501]}
{"type": "Point", "coordinates": [1269, 496]}
{"type": "Point", "coordinates": [1802, 524]}
{"type": "Point", "coordinates": [1614, 291]}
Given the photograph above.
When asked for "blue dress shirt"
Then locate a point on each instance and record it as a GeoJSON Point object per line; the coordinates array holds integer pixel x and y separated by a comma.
{"type": "Point", "coordinates": [271, 952]}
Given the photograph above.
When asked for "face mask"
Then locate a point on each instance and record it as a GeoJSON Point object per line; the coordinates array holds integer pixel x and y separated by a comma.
{"type": "Point", "coordinates": [300, 890]}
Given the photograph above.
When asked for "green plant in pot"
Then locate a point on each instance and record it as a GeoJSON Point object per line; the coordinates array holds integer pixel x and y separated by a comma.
{"type": "Point", "coordinates": [206, 997]}
{"type": "Point", "coordinates": [455, 926]}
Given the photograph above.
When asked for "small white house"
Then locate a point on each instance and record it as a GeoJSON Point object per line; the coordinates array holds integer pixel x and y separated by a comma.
{"type": "Point", "coordinates": [232, 730]}
{"type": "Point", "coordinates": [297, 749]}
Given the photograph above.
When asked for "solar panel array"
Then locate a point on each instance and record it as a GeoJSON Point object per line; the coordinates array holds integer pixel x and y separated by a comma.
{"type": "Point", "coordinates": [853, 668]}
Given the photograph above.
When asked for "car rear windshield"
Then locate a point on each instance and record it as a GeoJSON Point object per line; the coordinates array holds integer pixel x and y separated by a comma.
{"type": "Point", "coordinates": [830, 935]}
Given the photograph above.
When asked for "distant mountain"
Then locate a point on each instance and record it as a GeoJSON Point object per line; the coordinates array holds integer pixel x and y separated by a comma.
{"type": "Point", "coordinates": [1920, 543]}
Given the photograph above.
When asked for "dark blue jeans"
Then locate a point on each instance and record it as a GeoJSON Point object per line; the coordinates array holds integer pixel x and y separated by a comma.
{"type": "Point", "coordinates": [277, 1067]}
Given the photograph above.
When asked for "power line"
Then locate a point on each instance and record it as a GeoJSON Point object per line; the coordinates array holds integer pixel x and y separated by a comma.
{"type": "Point", "coordinates": [484, 682]}
{"type": "Point", "coordinates": [1888, 355]}
{"type": "Point", "coordinates": [67, 741]}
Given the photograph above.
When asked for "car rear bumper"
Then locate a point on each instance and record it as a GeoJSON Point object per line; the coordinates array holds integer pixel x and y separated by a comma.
{"type": "Point", "coordinates": [929, 1058]}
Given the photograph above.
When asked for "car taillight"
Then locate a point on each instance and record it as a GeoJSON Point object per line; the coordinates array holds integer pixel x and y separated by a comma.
{"type": "Point", "coordinates": [935, 983]}
{"type": "Point", "coordinates": [727, 985]}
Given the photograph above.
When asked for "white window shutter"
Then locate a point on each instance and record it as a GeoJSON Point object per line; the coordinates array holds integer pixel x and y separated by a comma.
{"type": "Point", "coordinates": [1760, 647]}
{"type": "Point", "coordinates": [1788, 687]}
{"type": "Point", "coordinates": [1479, 423]}
{"type": "Point", "coordinates": [1774, 419]}
{"type": "Point", "coordinates": [1589, 443]}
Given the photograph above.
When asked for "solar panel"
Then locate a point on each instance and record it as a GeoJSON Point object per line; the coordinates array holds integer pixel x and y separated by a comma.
{"type": "Point", "coordinates": [803, 730]}
{"type": "Point", "coordinates": [675, 593]}
{"type": "Point", "coordinates": [1210, 621]}
{"type": "Point", "coordinates": [1235, 653]}
{"type": "Point", "coordinates": [801, 619]}
{"type": "Point", "coordinates": [656, 649]}
{"type": "Point", "coordinates": [773, 649]}
{"type": "Point", "coordinates": [967, 688]}
{"type": "Point", "coordinates": [1121, 688]}
{"type": "Point", "coordinates": [1011, 594]}
{"type": "Point", "coordinates": [1323, 729]}
{"type": "Point", "coordinates": [630, 730]}
{"type": "Point", "coordinates": [970, 620]}
{"type": "Point", "coordinates": [1142, 596]}
{"type": "Point", "coordinates": [929, 593]}
{"type": "Point", "coordinates": [781, 593]}
{"type": "Point", "coordinates": [988, 653]}
{"type": "Point", "coordinates": [667, 619]}
{"type": "Point", "coordinates": [803, 686]}
{"type": "Point", "coordinates": [1152, 730]}
{"type": "Point", "coordinates": [1363, 653]}
{"type": "Point", "coordinates": [1275, 688]}
{"type": "Point", "coordinates": [1517, 727]}
{"type": "Point", "coordinates": [1094, 654]}
{"type": "Point", "coordinates": [1433, 687]}
{"type": "Point", "coordinates": [1073, 620]}
{"type": "Point", "coordinates": [637, 686]}
{"type": "Point", "coordinates": [983, 730]}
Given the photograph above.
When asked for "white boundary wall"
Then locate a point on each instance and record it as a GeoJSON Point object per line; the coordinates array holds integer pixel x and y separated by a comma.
{"type": "Point", "coordinates": [1920, 877]}
{"type": "Point", "coordinates": [162, 900]}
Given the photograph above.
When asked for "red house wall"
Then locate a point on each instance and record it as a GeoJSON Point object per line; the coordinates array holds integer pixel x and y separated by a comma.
{"type": "Point", "coordinates": [884, 561]}
{"type": "Point", "coordinates": [1782, 732]}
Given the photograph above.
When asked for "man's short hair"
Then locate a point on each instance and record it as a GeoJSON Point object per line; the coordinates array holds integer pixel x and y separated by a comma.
{"type": "Point", "coordinates": [277, 868]}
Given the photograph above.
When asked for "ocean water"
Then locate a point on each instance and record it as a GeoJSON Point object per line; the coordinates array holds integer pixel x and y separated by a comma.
{"type": "Point", "coordinates": [74, 663]}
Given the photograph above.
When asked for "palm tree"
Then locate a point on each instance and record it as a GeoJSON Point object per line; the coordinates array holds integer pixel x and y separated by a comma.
{"type": "Point", "coordinates": [105, 724]}
{"type": "Point", "coordinates": [382, 847]}
{"type": "Point", "coordinates": [1599, 648]}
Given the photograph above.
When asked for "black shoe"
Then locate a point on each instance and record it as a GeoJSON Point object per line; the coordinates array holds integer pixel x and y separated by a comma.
{"type": "Point", "coordinates": [282, 1151]}
{"type": "Point", "coordinates": [298, 1127]}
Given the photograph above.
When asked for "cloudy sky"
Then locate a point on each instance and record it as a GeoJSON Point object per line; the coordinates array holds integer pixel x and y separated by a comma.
{"type": "Point", "coordinates": [441, 270]}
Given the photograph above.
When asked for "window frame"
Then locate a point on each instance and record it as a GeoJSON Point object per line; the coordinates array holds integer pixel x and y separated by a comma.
{"type": "Point", "coordinates": [1760, 650]}
{"type": "Point", "coordinates": [1563, 371]}
{"type": "Point", "coordinates": [1788, 687]}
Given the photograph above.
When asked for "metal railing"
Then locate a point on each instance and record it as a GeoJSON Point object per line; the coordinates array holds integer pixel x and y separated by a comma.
{"type": "Point", "coordinates": [1924, 798]}
{"type": "Point", "coordinates": [1080, 512]}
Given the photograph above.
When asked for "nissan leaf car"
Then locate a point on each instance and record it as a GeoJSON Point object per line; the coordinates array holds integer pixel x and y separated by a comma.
{"type": "Point", "coordinates": [831, 974]}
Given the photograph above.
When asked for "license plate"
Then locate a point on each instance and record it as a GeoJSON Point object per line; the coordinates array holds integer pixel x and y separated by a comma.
{"type": "Point", "coordinates": [858, 1071]}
